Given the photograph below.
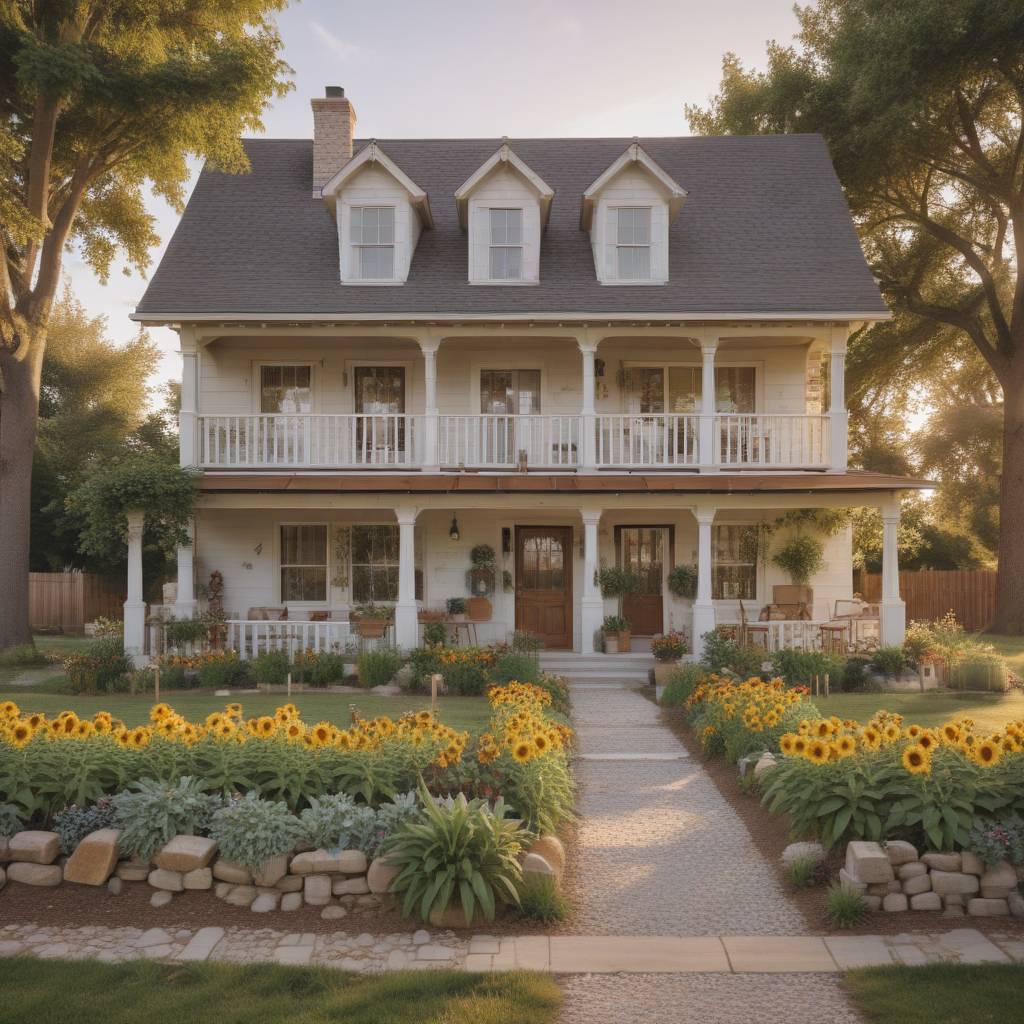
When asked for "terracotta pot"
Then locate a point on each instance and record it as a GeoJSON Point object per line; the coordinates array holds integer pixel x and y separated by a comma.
{"type": "Point", "coordinates": [371, 629]}
{"type": "Point", "coordinates": [479, 609]}
{"type": "Point", "coordinates": [663, 671]}
{"type": "Point", "coordinates": [625, 642]}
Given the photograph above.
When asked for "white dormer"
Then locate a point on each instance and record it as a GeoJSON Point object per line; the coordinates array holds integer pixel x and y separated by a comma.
{"type": "Point", "coordinates": [628, 211]}
{"type": "Point", "coordinates": [503, 206]}
{"type": "Point", "coordinates": [380, 212]}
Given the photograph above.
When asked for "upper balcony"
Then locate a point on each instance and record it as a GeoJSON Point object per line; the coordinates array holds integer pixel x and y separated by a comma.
{"type": "Point", "coordinates": [491, 402]}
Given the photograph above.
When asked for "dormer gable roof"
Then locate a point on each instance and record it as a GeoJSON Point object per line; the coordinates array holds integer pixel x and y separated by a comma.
{"type": "Point", "coordinates": [637, 155]}
{"type": "Point", "coordinates": [371, 153]}
{"type": "Point", "coordinates": [503, 157]}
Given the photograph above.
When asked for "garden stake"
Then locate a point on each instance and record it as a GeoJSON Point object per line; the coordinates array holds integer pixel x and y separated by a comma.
{"type": "Point", "coordinates": [435, 685]}
{"type": "Point", "coordinates": [289, 686]}
{"type": "Point", "coordinates": [156, 684]}
{"type": "Point", "coordinates": [826, 684]}
{"type": "Point", "coordinates": [353, 714]}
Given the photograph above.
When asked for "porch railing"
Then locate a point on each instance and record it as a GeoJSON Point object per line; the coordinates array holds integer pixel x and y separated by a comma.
{"type": "Point", "coordinates": [320, 440]}
{"type": "Point", "coordinates": [657, 440]}
{"type": "Point", "coordinates": [771, 440]}
{"type": "Point", "coordinates": [550, 442]}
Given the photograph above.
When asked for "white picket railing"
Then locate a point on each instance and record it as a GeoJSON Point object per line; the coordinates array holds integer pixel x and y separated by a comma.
{"type": "Point", "coordinates": [772, 440]}
{"type": "Point", "coordinates": [657, 440]}
{"type": "Point", "coordinates": [324, 440]}
{"type": "Point", "coordinates": [550, 442]}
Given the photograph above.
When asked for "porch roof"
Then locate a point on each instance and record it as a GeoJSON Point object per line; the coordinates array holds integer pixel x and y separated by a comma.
{"type": "Point", "coordinates": [583, 483]}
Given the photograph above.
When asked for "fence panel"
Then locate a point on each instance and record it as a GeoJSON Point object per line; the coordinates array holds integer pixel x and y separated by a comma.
{"type": "Point", "coordinates": [68, 600]}
{"type": "Point", "coordinates": [969, 593]}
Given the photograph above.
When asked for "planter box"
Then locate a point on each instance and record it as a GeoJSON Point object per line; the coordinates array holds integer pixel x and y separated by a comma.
{"type": "Point", "coordinates": [371, 629]}
{"type": "Point", "coordinates": [663, 671]}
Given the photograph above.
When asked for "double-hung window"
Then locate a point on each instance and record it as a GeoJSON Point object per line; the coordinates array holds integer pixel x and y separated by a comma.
{"type": "Point", "coordinates": [734, 563]}
{"type": "Point", "coordinates": [633, 243]}
{"type": "Point", "coordinates": [373, 242]}
{"type": "Point", "coordinates": [506, 244]}
{"type": "Point", "coordinates": [374, 563]}
{"type": "Point", "coordinates": [304, 563]}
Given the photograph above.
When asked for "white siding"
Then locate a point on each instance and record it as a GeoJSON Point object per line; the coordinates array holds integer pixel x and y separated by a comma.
{"type": "Point", "coordinates": [632, 187]}
{"type": "Point", "coordinates": [503, 188]}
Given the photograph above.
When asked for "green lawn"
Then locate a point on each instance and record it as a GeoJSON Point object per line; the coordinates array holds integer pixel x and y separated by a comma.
{"type": "Point", "coordinates": [1011, 648]}
{"type": "Point", "coordinates": [459, 712]}
{"type": "Point", "coordinates": [989, 710]}
{"type": "Point", "coordinates": [94, 993]}
{"type": "Point", "coordinates": [938, 994]}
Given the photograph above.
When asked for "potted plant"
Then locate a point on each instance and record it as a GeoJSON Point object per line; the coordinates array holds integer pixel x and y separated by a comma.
{"type": "Point", "coordinates": [456, 609]}
{"type": "Point", "coordinates": [682, 581]}
{"type": "Point", "coordinates": [431, 615]}
{"type": "Point", "coordinates": [668, 650]}
{"type": "Point", "coordinates": [481, 578]}
{"type": "Point", "coordinates": [371, 620]}
{"type": "Point", "coordinates": [800, 558]}
{"type": "Point", "coordinates": [616, 631]}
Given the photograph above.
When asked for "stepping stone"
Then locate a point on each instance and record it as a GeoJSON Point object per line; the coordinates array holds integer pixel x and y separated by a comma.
{"type": "Point", "coordinates": [202, 944]}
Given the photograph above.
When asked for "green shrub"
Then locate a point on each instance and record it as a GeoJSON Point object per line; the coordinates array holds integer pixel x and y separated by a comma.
{"type": "Point", "coordinates": [890, 661]}
{"type": "Point", "coordinates": [800, 558]}
{"type": "Point", "coordinates": [23, 656]}
{"type": "Point", "coordinates": [270, 668]}
{"type": "Point", "coordinates": [799, 668]}
{"type": "Point", "coordinates": [172, 677]}
{"type": "Point", "coordinates": [515, 667]}
{"type": "Point", "coordinates": [74, 823]}
{"type": "Point", "coordinates": [186, 631]}
{"type": "Point", "coordinates": [424, 661]}
{"type": "Point", "coordinates": [151, 813]}
{"type": "Point", "coordinates": [11, 820]}
{"type": "Point", "coordinates": [558, 687]}
{"type": "Point", "coordinates": [465, 678]}
{"type": "Point", "coordinates": [540, 792]}
{"type": "Point", "coordinates": [804, 872]}
{"type": "Point", "coordinates": [378, 667]}
{"type": "Point", "coordinates": [855, 673]}
{"type": "Point", "coordinates": [324, 821]}
{"type": "Point", "coordinates": [328, 667]}
{"type": "Point", "coordinates": [999, 841]}
{"type": "Point", "coordinates": [221, 669]}
{"type": "Point", "coordinates": [524, 642]}
{"type": "Point", "coordinates": [845, 907]}
{"type": "Point", "coordinates": [459, 850]}
{"type": "Point", "coordinates": [540, 899]}
{"type": "Point", "coordinates": [434, 633]}
{"type": "Point", "coordinates": [99, 667]}
{"type": "Point", "coordinates": [683, 681]}
{"type": "Point", "coordinates": [723, 654]}
{"type": "Point", "coordinates": [979, 670]}
{"type": "Point", "coordinates": [250, 830]}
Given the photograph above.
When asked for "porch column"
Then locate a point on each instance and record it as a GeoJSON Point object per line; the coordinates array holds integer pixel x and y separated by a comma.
{"type": "Point", "coordinates": [135, 606]}
{"type": "Point", "coordinates": [431, 459]}
{"type": "Point", "coordinates": [588, 415]}
{"type": "Point", "coordinates": [406, 620]}
{"type": "Point", "coordinates": [592, 604]}
{"type": "Point", "coordinates": [188, 420]}
{"type": "Point", "coordinates": [893, 610]}
{"type": "Point", "coordinates": [185, 603]}
{"type": "Point", "coordinates": [706, 435]}
{"type": "Point", "coordinates": [703, 606]}
{"type": "Point", "coordinates": [838, 418]}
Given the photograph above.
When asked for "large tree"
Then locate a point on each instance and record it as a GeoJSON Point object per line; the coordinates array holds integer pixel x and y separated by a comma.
{"type": "Point", "coordinates": [922, 105]}
{"type": "Point", "coordinates": [101, 101]}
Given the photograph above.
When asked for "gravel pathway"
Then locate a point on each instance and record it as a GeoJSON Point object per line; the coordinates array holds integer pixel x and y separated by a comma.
{"type": "Point", "coordinates": [661, 852]}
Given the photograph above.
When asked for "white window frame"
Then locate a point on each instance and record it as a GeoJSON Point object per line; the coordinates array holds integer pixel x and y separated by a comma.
{"type": "Point", "coordinates": [758, 588]}
{"type": "Point", "coordinates": [643, 364]}
{"type": "Point", "coordinates": [352, 564]}
{"type": "Point", "coordinates": [278, 556]}
{"type": "Point", "coordinates": [358, 247]}
{"type": "Point", "coordinates": [648, 245]}
{"type": "Point", "coordinates": [257, 384]}
{"type": "Point", "coordinates": [492, 244]}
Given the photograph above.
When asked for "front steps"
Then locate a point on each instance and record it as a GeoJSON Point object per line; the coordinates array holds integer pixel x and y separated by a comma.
{"type": "Point", "coordinates": [594, 671]}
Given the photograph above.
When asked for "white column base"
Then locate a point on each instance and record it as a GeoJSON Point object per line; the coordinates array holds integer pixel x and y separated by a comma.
{"type": "Point", "coordinates": [703, 622]}
{"type": "Point", "coordinates": [135, 631]}
{"type": "Point", "coordinates": [407, 630]}
{"type": "Point", "coordinates": [591, 617]}
{"type": "Point", "coordinates": [893, 613]}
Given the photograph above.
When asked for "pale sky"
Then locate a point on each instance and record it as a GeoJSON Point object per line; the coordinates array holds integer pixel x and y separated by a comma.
{"type": "Point", "coordinates": [455, 68]}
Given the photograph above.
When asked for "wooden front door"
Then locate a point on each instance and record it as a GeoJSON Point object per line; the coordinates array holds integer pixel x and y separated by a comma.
{"type": "Point", "coordinates": [642, 551]}
{"type": "Point", "coordinates": [544, 583]}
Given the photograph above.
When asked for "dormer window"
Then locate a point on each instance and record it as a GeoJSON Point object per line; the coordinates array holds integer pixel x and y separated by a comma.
{"type": "Point", "coordinates": [633, 242]}
{"type": "Point", "coordinates": [506, 249]}
{"type": "Point", "coordinates": [373, 241]}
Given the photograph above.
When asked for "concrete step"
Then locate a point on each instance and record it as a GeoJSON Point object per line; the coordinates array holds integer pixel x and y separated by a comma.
{"type": "Point", "coordinates": [606, 677]}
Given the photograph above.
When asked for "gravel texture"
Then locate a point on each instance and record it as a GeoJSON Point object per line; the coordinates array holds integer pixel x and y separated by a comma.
{"type": "Point", "coordinates": [660, 851]}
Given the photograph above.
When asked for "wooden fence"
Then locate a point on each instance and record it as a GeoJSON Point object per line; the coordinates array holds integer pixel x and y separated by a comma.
{"type": "Point", "coordinates": [969, 593]}
{"type": "Point", "coordinates": [68, 600]}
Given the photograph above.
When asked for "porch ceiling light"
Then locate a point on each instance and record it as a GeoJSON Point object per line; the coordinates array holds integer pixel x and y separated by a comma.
{"type": "Point", "coordinates": [453, 533]}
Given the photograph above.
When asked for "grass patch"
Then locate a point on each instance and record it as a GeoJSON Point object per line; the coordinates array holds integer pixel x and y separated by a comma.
{"type": "Point", "coordinates": [989, 710]}
{"type": "Point", "coordinates": [459, 712]}
{"type": "Point", "coordinates": [541, 900]}
{"type": "Point", "coordinates": [938, 993]}
{"type": "Point", "coordinates": [1011, 648]}
{"type": "Point", "coordinates": [93, 993]}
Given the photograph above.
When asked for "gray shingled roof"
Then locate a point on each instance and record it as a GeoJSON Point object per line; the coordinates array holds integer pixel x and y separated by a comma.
{"type": "Point", "coordinates": [765, 230]}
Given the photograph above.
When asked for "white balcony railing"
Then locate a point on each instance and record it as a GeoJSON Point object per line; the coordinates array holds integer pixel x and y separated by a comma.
{"type": "Point", "coordinates": [334, 441]}
{"type": "Point", "coordinates": [775, 441]}
{"type": "Point", "coordinates": [656, 440]}
{"type": "Point", "coordinates": [548, 442]}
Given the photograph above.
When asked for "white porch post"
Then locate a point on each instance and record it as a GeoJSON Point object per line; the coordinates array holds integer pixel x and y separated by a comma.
{"type": "Point", "coordinates": [406, 620]}
{"type": "Point", "coordinates": [703, 606]}
{"type": "Point", "coordinates": [838, 418]}
{"type": "Point", "coordinates": [185, 603]}
{"type": "Point", "coordinates": [592, 604]}
{"type": "Point", "coordinates": [188, 421]}
{"type": "Point", "coordinates": [588, 415]}
{"type": "Point", "coordinates": [135, 606]}
{"type": "Point", "coordinates": [893, 610]}
{"type": "Point", "coordinates": [431, 458]}
{"type": "Point", "coordinates": [706, 435]}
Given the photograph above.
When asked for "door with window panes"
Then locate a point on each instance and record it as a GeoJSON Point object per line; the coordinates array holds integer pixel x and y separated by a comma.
{"type": "Point", "coordinates": [642, 552]}
{"type": "Point", "coordinates": [286, 394]}
{"type": "Point", "coordinates": [506, 395]}
{"type": "Point", "coordinates": [380, 436]}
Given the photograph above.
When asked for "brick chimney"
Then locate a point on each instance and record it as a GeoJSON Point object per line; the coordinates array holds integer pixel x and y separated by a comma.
{"type": "Point", "coordinates": [334, 127]}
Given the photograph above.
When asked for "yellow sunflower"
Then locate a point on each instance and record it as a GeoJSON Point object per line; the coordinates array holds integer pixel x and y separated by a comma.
{"type": "Point", "coordinates": [522, 751]}
{"type": "Point", "coordinates": [20, 734]}
{"type": "Point", "coordinates": [987, 753]}
{"type": "Point", "coordinates": [917, 760]}
{"type": "Point", "coordinates": [786, 742]}
{"type": "Point", "coordinates": [817, 751]}
{"type": "Point", "coordinates": [845, 746]}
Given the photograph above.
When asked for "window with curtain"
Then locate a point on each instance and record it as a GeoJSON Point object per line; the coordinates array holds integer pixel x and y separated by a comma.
{"type": "Point", "coordinates": [374, 563]}
{"type": "Point", "coordinates": [373, 241]}
{"type": "Point", "coordinates": [506, 245]}
{"type": "Point", "coordinates": [677, 389]}
{"type": "Point", "coordinates": [734, 563]}
{"type": "Point", "coordinates": [286, 389]}
{"type": "Point", "coordinates": [304, 563]}
{"type": "Point", "coordinates": [734, 389]}
{"type": "Point", "coordinates": [510, 392]}
{"type": "Point", "coordinates": [633, 242]}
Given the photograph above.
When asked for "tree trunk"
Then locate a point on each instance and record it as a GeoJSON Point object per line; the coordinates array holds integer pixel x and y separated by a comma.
{"type": "Point", "coordinates": [19, 413]}
{"type": "Point", "coordinates": [1009, 617]}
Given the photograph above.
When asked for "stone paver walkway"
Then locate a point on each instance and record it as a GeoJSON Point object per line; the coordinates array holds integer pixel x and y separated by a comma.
{"type": "Point", "coordinates": [661, 852]}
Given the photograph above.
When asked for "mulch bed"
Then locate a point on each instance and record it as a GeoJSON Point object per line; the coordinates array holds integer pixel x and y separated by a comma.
{"type": "Point", "coordinates": [770, 834]}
